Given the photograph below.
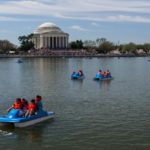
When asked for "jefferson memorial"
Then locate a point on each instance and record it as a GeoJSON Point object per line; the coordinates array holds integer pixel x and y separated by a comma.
{"type": "Point", "coordinates": [50, 36]}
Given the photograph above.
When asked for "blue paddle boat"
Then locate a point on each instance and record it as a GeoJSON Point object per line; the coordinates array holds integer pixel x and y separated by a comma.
{"type": "Point", "coordinates": [100, 77]}
{"type": "Point", "coordinates": [12, 118]}
{"type": "Point", "coordinates": [19, 61]}
{"type": "Point", "coordinates": [76, 76]}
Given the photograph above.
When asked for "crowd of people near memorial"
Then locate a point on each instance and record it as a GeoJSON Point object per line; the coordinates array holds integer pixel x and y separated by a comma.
{"type": "Point", "coordinates": [47, 52]}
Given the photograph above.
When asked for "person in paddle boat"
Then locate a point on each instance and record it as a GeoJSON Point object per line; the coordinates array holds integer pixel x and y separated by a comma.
{"type": "Point", "coordinates": [25, 104]}
{"type": "Point", "coordinates": [73, 73]}
{"type": "Point", "coordinates": [105, 74]}
{"type": "Point", "coordinates": [38, 101]}
{"type": "Point", "coordinates": [108, 74]}
{"type": "Point", "coordinates": [31, 109]}
{"type": "Point", "coordinates": [17, 105]}
{"type": "Point", "coordinates": [80, 73]}
{"type": "Point", "coordinates": [99, 74]}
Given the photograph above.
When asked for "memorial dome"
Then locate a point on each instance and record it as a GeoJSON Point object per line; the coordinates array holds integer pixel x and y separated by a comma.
{"type": "Point", "coordinates": [47, 27]}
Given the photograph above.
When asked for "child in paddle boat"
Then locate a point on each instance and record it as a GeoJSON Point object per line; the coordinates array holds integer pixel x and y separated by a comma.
{"type": "Point", "coordinates": [25, 104]}
{"type": "Point", "coordinates": [108, 73]}
{"type": "Point", "coordinates": [80, 72]}
{"type": "Point", "coordinates": [73, 73]}
{"type": "Point", "coordinates": [100, 72]}
{"type": "Point", "coordinates": [17, 105]}
{"type": "Point", "coordinates": [104, 74]}
{"type": "Point", "coordinates": [31, 109]}
{"type": "Point", "coordinates": [38, 101]}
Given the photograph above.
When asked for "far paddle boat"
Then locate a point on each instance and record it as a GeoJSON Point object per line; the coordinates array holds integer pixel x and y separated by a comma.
{"type": "Point", "coordinates": [102, 76]}
{"type": "Point", "coordinates": [19, 61]}
{"type": "Point", "coordinates": [77, 76]}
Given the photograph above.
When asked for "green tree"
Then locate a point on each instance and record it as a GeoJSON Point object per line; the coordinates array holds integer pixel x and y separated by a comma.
{"type": "Point", "coordinates": [78, 44]}
{"type": "Point", "coordinates": [129, 48]}
{"type": "Point", "coordinates": [146, 47]}
{"type": "Point", "coordinates": [6, 46]}
{"type": "Point", "coordinates": [105, 46]}
{"type": "Point", "coordinates": [25, 42]}
{"type": "Point", "coordinates": [99, 41]}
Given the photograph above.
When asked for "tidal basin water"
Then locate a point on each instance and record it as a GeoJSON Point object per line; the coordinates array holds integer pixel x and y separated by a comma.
{"type": "Point", "coordinates": [89, 115]}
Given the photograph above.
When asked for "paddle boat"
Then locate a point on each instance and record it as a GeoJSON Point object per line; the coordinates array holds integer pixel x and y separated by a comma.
{"type": "Point", "coordinates": [77, 76]}
{"type": "Point", "coordinates": [100, 77]}
{"type": "Point", "coordinates": [19, 61]}
{"type": "Point", "coordinates": [12, 118]}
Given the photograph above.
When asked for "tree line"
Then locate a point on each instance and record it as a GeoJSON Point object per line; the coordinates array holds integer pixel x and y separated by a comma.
{"type": "Point", "coordinates": [100, 45]}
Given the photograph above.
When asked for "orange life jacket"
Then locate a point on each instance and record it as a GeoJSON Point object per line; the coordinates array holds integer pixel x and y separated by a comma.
{"type": "Point", "coordinates": [17, 105]}
{"type": "Point", "coordinates": [105, 73]}
{"type": "Point", "coordinates": [32, 107]}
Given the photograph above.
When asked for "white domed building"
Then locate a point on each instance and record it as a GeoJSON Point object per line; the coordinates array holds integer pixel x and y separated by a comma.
{"type": "Point", "coordinates": [50, 36]}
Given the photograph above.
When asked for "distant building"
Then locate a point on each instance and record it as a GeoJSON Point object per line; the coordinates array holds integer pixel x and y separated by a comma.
{"type": "Point", "coordinates": [50, 36]}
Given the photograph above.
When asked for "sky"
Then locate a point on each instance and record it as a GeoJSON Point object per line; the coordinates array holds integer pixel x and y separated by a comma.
{"type": "Point", "coordinates": [119, 21]}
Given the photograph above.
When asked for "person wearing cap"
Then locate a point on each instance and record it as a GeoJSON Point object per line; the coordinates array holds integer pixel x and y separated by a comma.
{"type": "Point", "coordinates": [38, 101]}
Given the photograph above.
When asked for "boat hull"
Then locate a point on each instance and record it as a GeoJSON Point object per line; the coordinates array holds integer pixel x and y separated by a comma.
{"type": "Point", "coordinates": [103, 79]}
{"type": "Point", "coordinates": [32, 122]}
{"type": "Point", "coordinates": [12, 118]}
{"type": "Point", "coordinates": [77, 77]}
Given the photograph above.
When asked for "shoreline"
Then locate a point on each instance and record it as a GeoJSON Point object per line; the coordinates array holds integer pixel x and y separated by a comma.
{"type": "Point", "coordinates": [74, 56]}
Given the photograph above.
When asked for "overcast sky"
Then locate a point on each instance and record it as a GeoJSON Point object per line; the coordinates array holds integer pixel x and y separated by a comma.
{"type": "Point", "coordinates": [120, 21]}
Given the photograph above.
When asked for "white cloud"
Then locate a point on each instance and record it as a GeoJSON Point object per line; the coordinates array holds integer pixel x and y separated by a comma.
{"type": "Point", "coordinates": [65, 6]}
{"type": "Point", "coordinates": [94, 10]}
{"type": "Point", "coordinates": [78, 28]}
{"type": "Point", "coordinates": [94, 24]}
{"type": "Point", "coordinates": [114, 18]}
{"type": "Point", "coordinates": [5, 18]}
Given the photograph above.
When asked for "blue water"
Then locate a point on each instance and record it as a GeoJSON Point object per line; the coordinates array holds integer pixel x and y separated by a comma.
{"type": "Point", "coordinates": [90, 115]}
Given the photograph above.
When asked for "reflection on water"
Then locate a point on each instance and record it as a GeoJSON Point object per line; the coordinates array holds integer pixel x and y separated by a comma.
{"type": "Point", "coordinates": [105, 84]}
{"type": "Point", "coordinates": [90, 114]}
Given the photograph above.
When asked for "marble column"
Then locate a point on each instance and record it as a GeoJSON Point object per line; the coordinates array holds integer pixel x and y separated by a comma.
{"type": "Point", "coordinates": [52, 42]}
{"type": "Point", "coordinates": [64, 42]}
{"type": "Point", "coordinates": [56, 43]}
{"type": "Point", "coordinates": [36, 42]}
{"type": "Point", "coordinates": [59, 42]}
{"type": "Point", "coordinates": [48, 42]}
{"type": "Point", "coordinates": [41, 41]}
{"type": "Point", "coordinates": [45, 42]}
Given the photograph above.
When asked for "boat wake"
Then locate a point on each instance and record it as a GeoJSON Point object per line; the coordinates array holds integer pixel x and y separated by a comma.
{"type": "Point", "coordinates": [5, 133]}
